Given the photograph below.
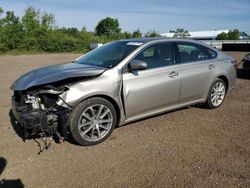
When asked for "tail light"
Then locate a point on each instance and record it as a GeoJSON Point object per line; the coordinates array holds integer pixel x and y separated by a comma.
{"type": "Point", "coordinates": [235, 63]}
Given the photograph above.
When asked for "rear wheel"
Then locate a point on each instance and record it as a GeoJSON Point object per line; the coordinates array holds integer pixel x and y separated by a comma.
{"type": "Point", "coordinates": [216, 94]}
{"type": "Point", "coordinates": [92, 121]}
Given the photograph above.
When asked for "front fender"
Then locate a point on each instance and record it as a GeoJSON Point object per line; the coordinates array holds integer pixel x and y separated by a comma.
{"type": "Point", "coordinates": [108, 84]}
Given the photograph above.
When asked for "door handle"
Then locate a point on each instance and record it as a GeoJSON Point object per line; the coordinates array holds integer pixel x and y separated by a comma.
{"type": "Point", "coordinates": [211, 66]}
{"type": "Point", "coordinates": [173, 74]}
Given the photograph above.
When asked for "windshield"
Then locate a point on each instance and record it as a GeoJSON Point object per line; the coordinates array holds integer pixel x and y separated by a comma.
{"type": "Point", "coordinates": [110, 54]}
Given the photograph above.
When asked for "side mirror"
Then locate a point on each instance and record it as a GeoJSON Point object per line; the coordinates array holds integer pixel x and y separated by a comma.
{"type": "Point", "coordinates": [137, 65]}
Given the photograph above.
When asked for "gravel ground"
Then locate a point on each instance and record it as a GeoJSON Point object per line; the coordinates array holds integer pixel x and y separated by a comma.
{"type": "Point", "coordinates": [191, 147]}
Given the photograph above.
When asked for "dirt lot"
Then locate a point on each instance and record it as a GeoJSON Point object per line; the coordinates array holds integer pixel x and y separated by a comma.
{"type": "Point", "coordinates": [191, 147]}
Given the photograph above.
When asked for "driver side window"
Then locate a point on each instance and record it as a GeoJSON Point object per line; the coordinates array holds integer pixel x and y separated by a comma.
{"type": "Point", "coordinates": [158, 55]}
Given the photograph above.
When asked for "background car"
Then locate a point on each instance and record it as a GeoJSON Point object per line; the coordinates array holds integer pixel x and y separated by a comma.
{"type": "Point", "coordinates": [246, 62]}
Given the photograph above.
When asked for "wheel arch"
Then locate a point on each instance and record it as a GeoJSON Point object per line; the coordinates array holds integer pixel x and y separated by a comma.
{"type": "Point", "coordinates": [222, 77]}
{"type": "Point", "coordinates": [225, 79]}
{"type": "Point", "coordinates": [112, 101]}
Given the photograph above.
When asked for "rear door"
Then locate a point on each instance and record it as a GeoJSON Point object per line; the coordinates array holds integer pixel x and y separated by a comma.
{"type": "Point", "coordinates": [148, 91]}
{"type": "Point", "coordinates": [195, 71]}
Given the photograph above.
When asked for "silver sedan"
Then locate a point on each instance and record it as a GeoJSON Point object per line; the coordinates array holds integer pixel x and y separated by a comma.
{"type": "Point", "coordinates": [118, 83]}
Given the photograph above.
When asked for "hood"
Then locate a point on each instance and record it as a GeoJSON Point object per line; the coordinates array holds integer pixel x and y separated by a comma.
{"type": "Point", "coordinates": [55, 73]}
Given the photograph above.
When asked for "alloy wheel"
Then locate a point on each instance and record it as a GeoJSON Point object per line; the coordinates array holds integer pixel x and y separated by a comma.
{"type": "Point", "coordinates": [95, 122]}
{"type": "Point", "coordinates": [218, 94]}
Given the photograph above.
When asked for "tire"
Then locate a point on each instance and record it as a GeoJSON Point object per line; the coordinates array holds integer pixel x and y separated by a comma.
{"type": "Point", "coordinates": [215, 98]}
{"type": "Point", "coordinates": [92, 121]}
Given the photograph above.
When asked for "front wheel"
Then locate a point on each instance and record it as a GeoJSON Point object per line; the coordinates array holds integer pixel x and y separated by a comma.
{"type": "Point", "coordinates": [92, 121]}
{"type": "Point", "coordinates": [216, 94]}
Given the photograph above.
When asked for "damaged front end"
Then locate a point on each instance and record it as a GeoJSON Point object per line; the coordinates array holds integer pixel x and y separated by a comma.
{"type": "Point", "coordinates": [39, 113]}
{"type": "Point", "coordinates": [37, 104]}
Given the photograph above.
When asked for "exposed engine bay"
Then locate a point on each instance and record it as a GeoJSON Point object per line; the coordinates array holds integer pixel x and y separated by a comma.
{"type": "Point", "coordinates": [38, 112]}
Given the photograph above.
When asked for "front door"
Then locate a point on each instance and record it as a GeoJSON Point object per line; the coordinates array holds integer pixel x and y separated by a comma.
{"type": "Point", "coordinates": [147, 91]}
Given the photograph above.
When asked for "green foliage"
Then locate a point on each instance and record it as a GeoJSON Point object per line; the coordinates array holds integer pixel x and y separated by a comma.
{"type": "Point", "coordinates": [180, 33]}
{"type": "Point", "coordinates": [152, 34]}
{"type": "Point", "coordinates": [11, 32]}
{"type": "Point", "coordinates": [1, 11]}
{"type": "Point", "coordinates": [108, 27]}
{"type": "Point", "coordinates": [127, 35]}
{"type": "Point", "coordinates": [231, 35]}
{"type": "Point", "coordinates": [234, 35]}
{"type": "Point", "coordinates": [31, 20]}
{"type": "Point", "coordinates": [137, 34]}
{"type": "Point", "coordinates": [222, 36]}
{"type": "Point", "coordinates": [36, 32]}
{"type": "Point", "coordinates": [48, 21]}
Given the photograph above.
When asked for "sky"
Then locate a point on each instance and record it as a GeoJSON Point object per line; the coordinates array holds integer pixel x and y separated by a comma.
{"type": "Point", "coordinates": [147, 15]}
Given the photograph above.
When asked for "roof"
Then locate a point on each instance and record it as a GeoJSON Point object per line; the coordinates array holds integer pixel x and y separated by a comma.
{"type": "Point", "coordinates": [146, 40]}
{"type": "Point", "coordinates": [142, 40]}
{"type": "Point", "coordinates": [156, 39]}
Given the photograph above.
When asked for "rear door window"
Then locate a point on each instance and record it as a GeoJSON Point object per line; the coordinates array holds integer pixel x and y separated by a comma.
{"type": "Point", "coordinates": [212, 54]}
{"type": "Point", "coordinates": [189, 52]}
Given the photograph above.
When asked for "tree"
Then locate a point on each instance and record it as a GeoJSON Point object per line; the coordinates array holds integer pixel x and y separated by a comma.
{"type": "Point", "coordinates": [31, 26]}
{"type": "Point", "coordinates": [84, 29]}
{"type": "Point", "coordinates": [152, 34]}
{"type": "Point", "coordinates": [11, 31]}
{"type": "Point", "coordinates": [231, 35]}
{"type": "Point", "coordinates": [222, 36]}
{"type": "Point", "coordinates": [234, 35]}
{"type": "Point", "coordinates": [48, 20]}
{"type": "Point", "coordinates": [137, 34]}
{"type": "Point", "coordinates": [37, 29]}
{"type": "Point", "coordinates": [181, 33]}
{"type": "Point", "coordinates": [1, 11]}
{"type": "Point", "coordinates": [30, 19]}
{"type": "Point", "coordinates": [128, 35]}
{"type": "Point", "coordinates": [1, 23]}
{"type": "Point", "coordinates": [70, 31]}
{"type": "Point", "coordinates": [108, 27]}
